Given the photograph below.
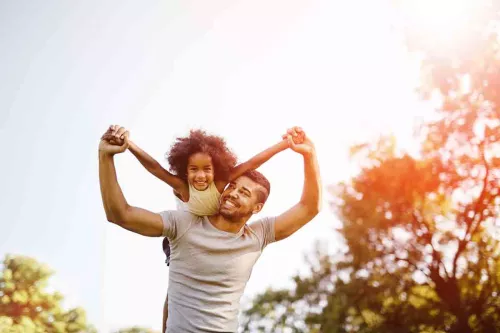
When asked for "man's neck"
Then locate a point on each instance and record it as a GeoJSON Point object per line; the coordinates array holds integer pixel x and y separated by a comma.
{"type": "Point", "coordinates": [221, 223]}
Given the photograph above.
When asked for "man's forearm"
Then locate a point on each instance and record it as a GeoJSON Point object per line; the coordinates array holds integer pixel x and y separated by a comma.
{"type": "Point", "coordinates": [311, 193]}
{"type": "Point", "coordinates": [112, 196]}
{"type": "Point", "coordinates": [309, 204]}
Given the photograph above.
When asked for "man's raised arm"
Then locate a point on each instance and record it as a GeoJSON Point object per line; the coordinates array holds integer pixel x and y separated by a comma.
{"type": "Point", "coordinates": [118, 211]}
{"type": "Point", "coordinates": [310, 202]}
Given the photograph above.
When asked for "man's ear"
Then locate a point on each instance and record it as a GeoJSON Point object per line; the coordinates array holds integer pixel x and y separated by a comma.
{"type": "Point", "coordinates": [257, 208]}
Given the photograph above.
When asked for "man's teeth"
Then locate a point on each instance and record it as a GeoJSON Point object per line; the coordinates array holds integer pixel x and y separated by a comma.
{"type": "Point", "coordinates": [230, 204]}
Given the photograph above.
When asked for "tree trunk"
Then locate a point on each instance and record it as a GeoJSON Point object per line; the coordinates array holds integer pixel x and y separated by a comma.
{"type": "Point", "coordinates": [462, 325]}
{"type": "Point", "coordinates": [449, 292]}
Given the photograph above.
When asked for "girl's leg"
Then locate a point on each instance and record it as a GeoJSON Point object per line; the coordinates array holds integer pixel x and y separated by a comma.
{"type": "Point", "coordinates": [166, 250]}
{"type": "Point", "coordinates": [165, 315]}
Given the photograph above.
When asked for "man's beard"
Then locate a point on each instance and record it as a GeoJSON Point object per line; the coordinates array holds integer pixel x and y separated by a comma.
{"type": "Point", "coordinates": [235, 216]}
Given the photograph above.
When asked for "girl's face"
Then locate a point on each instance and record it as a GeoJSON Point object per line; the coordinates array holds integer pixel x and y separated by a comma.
{"type": "Point", "coordinates": [200, 171]}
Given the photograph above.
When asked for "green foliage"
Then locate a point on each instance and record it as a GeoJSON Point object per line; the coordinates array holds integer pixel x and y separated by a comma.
{"type": "Point", "coordinates": [26, 306]}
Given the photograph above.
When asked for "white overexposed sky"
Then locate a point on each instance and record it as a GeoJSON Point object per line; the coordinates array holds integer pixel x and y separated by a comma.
{"type": "Point", "coordinates": [246, 70]}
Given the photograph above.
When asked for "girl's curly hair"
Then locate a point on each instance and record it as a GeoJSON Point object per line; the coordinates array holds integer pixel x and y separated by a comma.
{"type": "Point", "coordinates": [199, 141]}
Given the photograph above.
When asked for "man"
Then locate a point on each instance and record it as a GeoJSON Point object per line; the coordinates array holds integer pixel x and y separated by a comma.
{"type": "Point", "coordinates": [211, 257]}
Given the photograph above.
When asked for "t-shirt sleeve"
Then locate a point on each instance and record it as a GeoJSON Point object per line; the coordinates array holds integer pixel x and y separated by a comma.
{"type": "Point", "coordinates": [264, 229]}
{"type": "Point", "coordinates": [175, 223]}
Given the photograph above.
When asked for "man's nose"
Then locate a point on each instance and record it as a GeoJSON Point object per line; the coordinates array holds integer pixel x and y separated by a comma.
{"type": "Point", "coordinates": [233, 193]}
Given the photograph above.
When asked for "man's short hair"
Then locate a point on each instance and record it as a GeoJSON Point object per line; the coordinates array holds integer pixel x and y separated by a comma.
{"type": "Point", "coordinates": [262, 181]}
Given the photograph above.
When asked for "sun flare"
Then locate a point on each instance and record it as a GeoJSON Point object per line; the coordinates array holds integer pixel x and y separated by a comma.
{"type": "Point", "coordinates": [443, 21]}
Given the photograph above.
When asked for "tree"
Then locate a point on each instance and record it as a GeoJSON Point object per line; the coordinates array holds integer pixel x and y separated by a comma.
{"type": "Point", "coordinates": [26, 306]}
{"type": "Point", "coordinates": [423, 248]}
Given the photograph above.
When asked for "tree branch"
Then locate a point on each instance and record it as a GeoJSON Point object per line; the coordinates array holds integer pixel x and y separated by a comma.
{"type": "Point", "coordinates": [411, 263]}
{"type": "Point", "coordinates": [470, 231]}
{"type": "Point", "coordinates": [435, 253]}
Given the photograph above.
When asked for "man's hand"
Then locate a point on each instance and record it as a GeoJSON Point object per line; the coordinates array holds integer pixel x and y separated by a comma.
{"type": "Point", "coordinates": [114, 140]}
{"type": "Point", "coordinates": [118, 211]}
{"type": "Point", "coordinates": [310, 202]}
{"type": "Point", "coordinates": [298, 141]}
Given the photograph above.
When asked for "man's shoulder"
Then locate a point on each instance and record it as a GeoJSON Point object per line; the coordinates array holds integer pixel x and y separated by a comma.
{"type": "Point", "coordinates": [257, 225]}
{"type": "Point", "coordinates": [178, 215]}
{"type": "Point", "coordinates": [263, 230]}
{"type": "Point", "coordinates": [177, 222]}
{"type": "Point", "coordinates": [265, 219]}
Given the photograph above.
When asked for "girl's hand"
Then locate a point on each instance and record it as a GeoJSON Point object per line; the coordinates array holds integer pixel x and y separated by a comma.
{"type": "Point", "coordinates": [297, 134]}
{"type": "Point", "coordinates": [298, 141]}
{"type": "Point", "coordinates": [115, 135]}
{"type": "Point", "coordinates": [110, 145]}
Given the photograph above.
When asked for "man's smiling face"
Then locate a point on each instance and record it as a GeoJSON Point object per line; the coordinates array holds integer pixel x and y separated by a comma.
{"type": "Point", "coordinates": [241, 199]}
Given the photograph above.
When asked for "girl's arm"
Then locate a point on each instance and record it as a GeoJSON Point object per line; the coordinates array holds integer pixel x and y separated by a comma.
{"type": "Point", "coordinates": [254, 162]}
{"type": "Point", "coordinates": [157, 170]}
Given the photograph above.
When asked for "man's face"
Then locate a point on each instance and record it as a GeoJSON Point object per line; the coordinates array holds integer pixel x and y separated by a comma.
{"type": "Point", "coordinates": [240, 199]}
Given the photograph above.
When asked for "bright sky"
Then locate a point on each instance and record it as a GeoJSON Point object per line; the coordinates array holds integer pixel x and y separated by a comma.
{"type": "Point", "coordinates": [246, 70]}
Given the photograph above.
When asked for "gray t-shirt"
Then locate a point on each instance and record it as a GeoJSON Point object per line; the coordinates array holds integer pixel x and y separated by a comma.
{"type": "Point", "coordinates": [209, 269]}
